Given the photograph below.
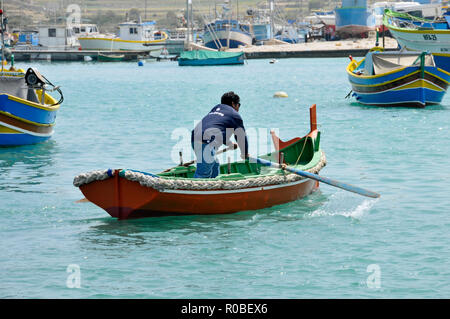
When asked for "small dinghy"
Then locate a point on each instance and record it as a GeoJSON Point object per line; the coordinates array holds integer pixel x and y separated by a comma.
{"type": "Point", "coordinates": [110, 57]}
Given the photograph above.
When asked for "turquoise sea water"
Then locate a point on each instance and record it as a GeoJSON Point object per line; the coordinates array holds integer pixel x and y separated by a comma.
{"type": "Point", "coordinates": [332, 244]}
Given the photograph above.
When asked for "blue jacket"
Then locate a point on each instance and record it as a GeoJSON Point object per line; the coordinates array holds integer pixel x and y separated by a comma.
{"type": "Point", "coordinates": [215, 124]}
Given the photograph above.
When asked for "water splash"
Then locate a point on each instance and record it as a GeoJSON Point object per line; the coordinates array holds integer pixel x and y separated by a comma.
{"type": "Point", "coordinates": [338, 205]}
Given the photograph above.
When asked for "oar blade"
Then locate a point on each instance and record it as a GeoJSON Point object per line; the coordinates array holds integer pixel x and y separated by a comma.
{"type": "Point", "coordinates": [83, 200]}
{"type": "Point", "coordinates": [329, 181]}
{"type": "Point", "coordinates": [326, 180]}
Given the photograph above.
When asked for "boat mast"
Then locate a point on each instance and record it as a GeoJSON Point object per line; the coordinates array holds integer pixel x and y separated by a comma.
{"type": "Point", "coordinates": [3, 35]}
{"type": "Point", "coordinates": [229, 23]}
{"type": "Point", "coordinates": [271, 18]}
{"type": "Point", "coordinates": [188, 36]}
{"type": "Point", "coordinates": [191, 19]}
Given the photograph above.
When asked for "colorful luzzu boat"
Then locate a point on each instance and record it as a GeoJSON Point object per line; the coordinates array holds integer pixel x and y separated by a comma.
{"type": "Point", "coordinates": [397, 79]}
{"type": "Point", "coordinates": [27, 112]}
{"type": "Point", "coordinates": [126, 193]}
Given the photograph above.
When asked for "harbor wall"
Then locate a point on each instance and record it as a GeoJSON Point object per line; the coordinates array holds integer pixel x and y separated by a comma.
{"type": "Point", "coordinates": [79, 55]}
{"type": "Point", "coordinates": [278, 50]}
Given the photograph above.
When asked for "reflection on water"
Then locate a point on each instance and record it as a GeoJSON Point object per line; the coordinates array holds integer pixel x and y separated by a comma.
{"type": "Point", "coordinates": [161, 231]}
{"type": "Point", "coordinates": [24, 166]}
{"type": "Point", "coordinates": [435, 107]}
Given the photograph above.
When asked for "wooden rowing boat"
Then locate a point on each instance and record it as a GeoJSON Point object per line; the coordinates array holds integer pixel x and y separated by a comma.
{"type": "Point", "coordinates": [244, 185]}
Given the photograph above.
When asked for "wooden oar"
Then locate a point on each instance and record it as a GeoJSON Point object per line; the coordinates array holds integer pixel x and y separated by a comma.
{"type": "Point", "coordinates": [347, 187]}
{"type": "Point", "coordinates": [232, 147]}
{"type": "Point", "coordinates": [229, 148]}
{"type": "Point", "coordinates": [83, 200]}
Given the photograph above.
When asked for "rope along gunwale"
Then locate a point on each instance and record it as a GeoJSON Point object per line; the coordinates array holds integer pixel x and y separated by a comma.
{"type": "Point", "coordinates": [193, 184]}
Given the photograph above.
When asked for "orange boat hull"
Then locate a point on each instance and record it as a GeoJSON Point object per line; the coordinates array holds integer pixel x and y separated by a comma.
{"type": "Point", "coordinates": [123, 198]}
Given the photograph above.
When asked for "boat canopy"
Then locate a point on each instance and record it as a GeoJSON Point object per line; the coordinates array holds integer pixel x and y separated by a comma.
{"type": "Point", "coordinates": [383, 62]}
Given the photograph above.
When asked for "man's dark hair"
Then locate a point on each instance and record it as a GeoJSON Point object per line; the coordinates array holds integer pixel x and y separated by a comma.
{"type": "Point", "coordinates": [230, 97]}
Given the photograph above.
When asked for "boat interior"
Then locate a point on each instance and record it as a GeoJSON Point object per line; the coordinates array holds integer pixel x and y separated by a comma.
{"type": "Point", "coordinates": [14, 84]}
{"type": "Point", "coordinates": [376, 63]}
{"type": "Point", "coordinates": [298, 153]}
{"type": "Point", "coordinates": [26, 86]}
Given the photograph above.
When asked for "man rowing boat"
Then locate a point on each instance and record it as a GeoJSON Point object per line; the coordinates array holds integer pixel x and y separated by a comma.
{"type": "Point", "coordinates": [215, 129]}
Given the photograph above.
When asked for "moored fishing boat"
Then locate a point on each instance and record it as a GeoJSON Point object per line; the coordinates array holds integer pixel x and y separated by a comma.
{"type": "Point", "coordinates": [226, 34]}
{"type": "Point", "coordinates": [243, 185]}
{"type": "Point", "coordinates": [203, 57]}
{"type": "Point", "coordinates": [397, 79]}
{"type": "Point", "coordinates": [419, 34]}
{"type": "Point", "coordinates": [353, 18]}
{"type": "Point", "coordinates": [417, 9]}
{"type": "Point", "coordinates": [134, 36]}
{"type": "Point", "coordinates": [27, 111]}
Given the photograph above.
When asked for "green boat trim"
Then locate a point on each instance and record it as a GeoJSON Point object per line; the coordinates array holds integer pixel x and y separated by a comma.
{"type": "Point", "coordinates": [402, 15]}
{"type": "Point", "coordinates": [110, 58]}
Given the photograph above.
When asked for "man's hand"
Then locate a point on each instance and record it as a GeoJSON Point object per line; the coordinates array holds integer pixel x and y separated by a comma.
{"type": "Point", "coordinates": [232, 146]}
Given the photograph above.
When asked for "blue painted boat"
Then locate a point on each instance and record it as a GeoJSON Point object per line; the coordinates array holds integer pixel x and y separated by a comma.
{"type": "Point", "coordinates": [353, 18]}
{"type": "Point", "coordinates": [226, 34]}
{"type": "Point", "coordinates": [204, 57]}
{"type": "Point", "coordinates": [409, 79]}
{"type": "Point", "coordinates": [27, 112]}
